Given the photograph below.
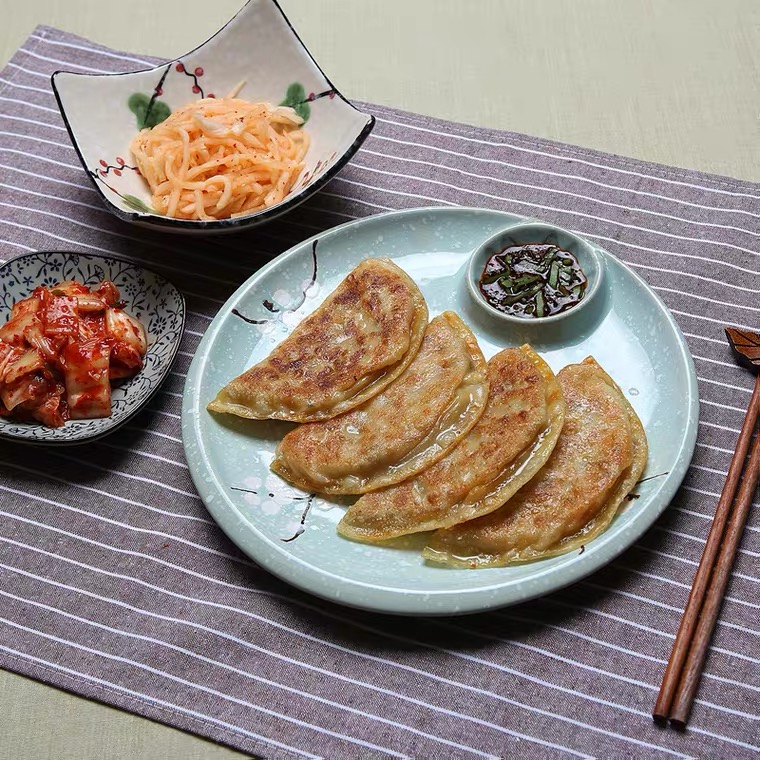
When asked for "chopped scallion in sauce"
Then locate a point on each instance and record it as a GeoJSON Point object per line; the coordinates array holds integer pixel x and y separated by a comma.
{"type": "Point", "coordinates": [532, 281]}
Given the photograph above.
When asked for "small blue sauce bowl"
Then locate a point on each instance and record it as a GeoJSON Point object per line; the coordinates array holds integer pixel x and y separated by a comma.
{"type": "Point", "coordinates": [537, 233]}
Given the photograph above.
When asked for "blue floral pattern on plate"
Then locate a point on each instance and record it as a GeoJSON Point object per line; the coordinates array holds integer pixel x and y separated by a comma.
{"type": "Point", "coordinates": [146, 295]}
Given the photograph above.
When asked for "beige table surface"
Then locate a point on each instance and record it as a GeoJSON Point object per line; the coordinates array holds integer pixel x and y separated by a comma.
{"type": "Point", "coordinates": [671, 81]}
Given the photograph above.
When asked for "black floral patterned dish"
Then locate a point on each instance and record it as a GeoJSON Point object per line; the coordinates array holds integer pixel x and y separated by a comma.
{"type": "Point", "coordinates": [147, 296]}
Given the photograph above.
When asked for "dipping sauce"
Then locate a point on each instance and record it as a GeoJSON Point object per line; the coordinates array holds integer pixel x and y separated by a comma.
{"type": "Point", "coordinates": [533, 280]}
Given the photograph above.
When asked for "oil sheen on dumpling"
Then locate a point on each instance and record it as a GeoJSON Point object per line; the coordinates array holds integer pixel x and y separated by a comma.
{"type": "Point", "coordinates": [356, 343]}
{"type": "Point", "coordinates": [402, 430]}
{"type": "Point", "coordinates": [508, 445]}
{"type": "Point", "coordinates": [599, 458]}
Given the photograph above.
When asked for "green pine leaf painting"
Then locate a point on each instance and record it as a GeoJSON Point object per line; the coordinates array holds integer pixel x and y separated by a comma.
{"type": "Point", "coordinates": [296, 98]}
{"type": "Point", "coordinates": [135, 203]}
{"type": "Point", "coordinates": [147, 115]}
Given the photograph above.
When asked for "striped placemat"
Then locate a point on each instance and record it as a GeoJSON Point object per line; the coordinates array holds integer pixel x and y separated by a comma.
{"type": "Point", "coordinates": [117, 585]}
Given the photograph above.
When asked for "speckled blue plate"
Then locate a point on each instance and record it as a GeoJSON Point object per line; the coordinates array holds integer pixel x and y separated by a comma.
{"type": "Point", "coordinates": [292, 534]}
{"type": "Point", "coordinates": [146, 295]}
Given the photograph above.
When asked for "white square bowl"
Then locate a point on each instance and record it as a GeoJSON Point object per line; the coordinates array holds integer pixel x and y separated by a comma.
{"type": "Point", "coordinates": [257, 46]}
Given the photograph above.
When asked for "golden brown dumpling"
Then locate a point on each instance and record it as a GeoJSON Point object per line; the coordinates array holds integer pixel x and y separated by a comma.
{"type": "Point", "coordinates": [599, 458]}
{"type": "Point", "coordinates": [356, 343]}
{"type": "Point", "coordinates": [402, 430]}
{"type": "Point", "coordinates": [508, 445]}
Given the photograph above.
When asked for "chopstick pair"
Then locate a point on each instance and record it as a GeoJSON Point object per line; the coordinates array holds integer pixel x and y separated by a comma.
{"type": "Point", "coordinates": [687, 658]}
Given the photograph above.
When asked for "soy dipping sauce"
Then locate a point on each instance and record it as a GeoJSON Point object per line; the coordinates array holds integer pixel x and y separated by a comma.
{"type": "Point", "coordinates": [533, 280]}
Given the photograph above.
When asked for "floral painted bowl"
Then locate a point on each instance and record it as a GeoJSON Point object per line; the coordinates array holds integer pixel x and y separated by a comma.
{"type": "Point", "coordinates": [103, 112]}
{"type": "Point", "coordinates": [148, 297]}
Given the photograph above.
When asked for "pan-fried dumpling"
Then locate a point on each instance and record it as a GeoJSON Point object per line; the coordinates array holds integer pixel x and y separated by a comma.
{"type": "Point", "coordinates": [356, 343]}
{"type": "Point", "coordinates": [402, 430]}
{"type": "Point", "coordinates": [599, 458]}
{"type": "Point", "coordinates": [508, 445]}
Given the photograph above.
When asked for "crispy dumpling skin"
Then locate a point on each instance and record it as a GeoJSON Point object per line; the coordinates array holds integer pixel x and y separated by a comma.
{"type": "Point", "coordinates": [356, 343]}
{"type": "Point", "coordinates": [599, 458]}
{"type": "Point", "coordinates": [402, 430]}
{"type": "Point", "coordinates": [510, 442]}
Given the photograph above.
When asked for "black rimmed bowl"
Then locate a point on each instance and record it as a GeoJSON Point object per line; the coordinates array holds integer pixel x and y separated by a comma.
{"type": "Point", "coordinates": [147, 296]}
{"type": "Point", "coordinates": [103, 112]}
{"type": "Point", "coordinates": [589, 259]}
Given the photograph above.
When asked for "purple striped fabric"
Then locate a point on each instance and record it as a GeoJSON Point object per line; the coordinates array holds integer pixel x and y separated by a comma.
{"type": "Point", "coordinates": [116, 584]}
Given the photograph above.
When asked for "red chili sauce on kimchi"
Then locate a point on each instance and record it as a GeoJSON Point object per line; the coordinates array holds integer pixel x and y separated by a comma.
{"type": "Point", "coordinates": [60, 350]}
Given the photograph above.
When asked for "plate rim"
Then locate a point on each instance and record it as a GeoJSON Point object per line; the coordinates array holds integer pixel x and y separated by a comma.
{"type": "Point", "coordinates": [406, 602]}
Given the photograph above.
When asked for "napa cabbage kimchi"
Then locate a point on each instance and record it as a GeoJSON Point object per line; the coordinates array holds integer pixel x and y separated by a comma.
{"type": "Point", "coordinates": [60, 350]}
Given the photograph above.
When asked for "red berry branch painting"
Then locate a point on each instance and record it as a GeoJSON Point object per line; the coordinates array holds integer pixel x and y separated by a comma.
{"type": "Point", "coordinates": [196, 74]}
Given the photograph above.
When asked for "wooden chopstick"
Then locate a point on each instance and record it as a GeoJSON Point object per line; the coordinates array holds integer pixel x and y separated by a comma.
{"type": "Point", "coordinates": [692, 671]}
{"type": "Point", "coordinates": [691, 615]}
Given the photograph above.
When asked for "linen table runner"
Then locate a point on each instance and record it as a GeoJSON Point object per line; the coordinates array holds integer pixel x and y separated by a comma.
{"type": "Point", "coordinates": [116, 584]}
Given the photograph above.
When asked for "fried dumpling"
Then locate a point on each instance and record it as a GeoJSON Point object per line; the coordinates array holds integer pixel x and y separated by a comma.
{"type": "Point", "coordinates": [510, 442]}
{"type": "Point", "coordinates": [599, 458]}
{"type": "Point", "coordinates": [402, 430]}
{"type": "Point", "coordinates": [356, 343]}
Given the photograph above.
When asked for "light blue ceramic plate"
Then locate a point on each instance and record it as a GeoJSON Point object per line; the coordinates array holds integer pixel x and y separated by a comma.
{"type": "Point", "coordinates": [292, 534]}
